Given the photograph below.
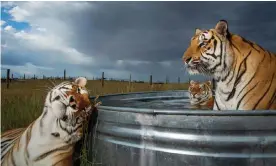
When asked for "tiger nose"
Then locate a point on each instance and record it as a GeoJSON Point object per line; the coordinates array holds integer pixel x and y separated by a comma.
{"type": "Point", "coordinates": [187, 59]}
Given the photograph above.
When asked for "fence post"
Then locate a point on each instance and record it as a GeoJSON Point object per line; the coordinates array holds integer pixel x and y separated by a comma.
{"type": "Point", "coordinates": [129, 79]}
{"type": "Point", "coordinates": [150, 80]}
{"type": "Point", "coordinates": [102, 79]}
{"type": "Point", "coordinates": [179, 80]}
{"type": "Point", "coordinates": [167, 79]}
{"type": "Point", "coordinates": [8, 78]}
{"type": "Point", "coordinates": [64, 74]}
{"type": "Point", "coordinates": [24, 77]}
{"type": "Point", "coordinates": [129, 83]}
{"type": "Point", "coordinates": [34, 76]}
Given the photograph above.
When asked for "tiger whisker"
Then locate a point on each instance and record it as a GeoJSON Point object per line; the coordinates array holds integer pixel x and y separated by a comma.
{"type": "Point", "coordinates": [52, 83]}
{"type": "Point", "coordinates": [48, 88]}
{"type": "Point", "coordinates": [42, 90]}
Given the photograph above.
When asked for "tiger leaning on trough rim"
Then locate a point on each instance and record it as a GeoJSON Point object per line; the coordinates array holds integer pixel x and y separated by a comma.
{"type": "Point", "coordinates": [50, 139]}
{"type": "Point", "coordinates": [244, 72]}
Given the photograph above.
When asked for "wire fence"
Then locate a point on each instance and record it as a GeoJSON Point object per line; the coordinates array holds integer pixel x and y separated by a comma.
{"type": "Point", "coordinates": [13, 77]}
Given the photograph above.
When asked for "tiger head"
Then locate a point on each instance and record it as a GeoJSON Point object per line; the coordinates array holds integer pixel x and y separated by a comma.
{"type": "Point", "coordinates": [209, 51]}
{"type": "Point", "coordinates": [67, 107]}
{"type": "Point", "coordinates": [200, 92]}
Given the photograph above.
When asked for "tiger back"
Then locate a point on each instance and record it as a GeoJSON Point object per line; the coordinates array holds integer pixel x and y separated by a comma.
{"type": "Point", "coordinates": [201, 94]}
{"type": "Point", "coordinates": [50, 139]}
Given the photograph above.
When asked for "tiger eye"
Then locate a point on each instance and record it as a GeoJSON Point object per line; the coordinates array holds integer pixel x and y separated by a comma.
{"type": "Point", "coordinates": [64, 118]}
{"type": "Point", "coordinates": [55, 134]}
{"type": "Point", "coordinates": [74, 106]}
{"type": "Point", "coordinates": [71, 99]}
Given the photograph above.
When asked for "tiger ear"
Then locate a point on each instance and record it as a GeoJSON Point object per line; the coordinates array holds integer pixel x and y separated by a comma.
{"type": "Point", "coordinates": [192, 82]}
{"type": "Point", "coordinates": [222, 27]}
{"type": "Point", "coordinates": [81, 81]}
{"type": "Point", "coordinates": [197, 31]}
{"type": "Point", "coordinates": [209, 83]}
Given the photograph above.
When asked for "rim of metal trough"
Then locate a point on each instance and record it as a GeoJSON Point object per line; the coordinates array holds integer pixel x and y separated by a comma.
{"type": "Point", "coordinates": [177, 111]}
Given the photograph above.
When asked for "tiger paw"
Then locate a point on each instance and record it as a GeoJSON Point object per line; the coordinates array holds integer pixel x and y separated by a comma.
{"type": "Point", "coordinates": [97, 103]}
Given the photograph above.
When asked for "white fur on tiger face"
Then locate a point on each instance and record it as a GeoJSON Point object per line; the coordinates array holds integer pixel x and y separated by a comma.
{"type": "Point", "coordinates": [212, 57]}
{"type": "Point", "coordinates": [62, 108]}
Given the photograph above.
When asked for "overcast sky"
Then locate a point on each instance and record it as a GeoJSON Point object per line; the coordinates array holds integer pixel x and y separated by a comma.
{"type": "Point", "coordinates": [119, 38]}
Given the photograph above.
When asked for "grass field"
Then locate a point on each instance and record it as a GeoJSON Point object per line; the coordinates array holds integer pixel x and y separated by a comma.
{"type": "Point", "coordinates": [23, 101]}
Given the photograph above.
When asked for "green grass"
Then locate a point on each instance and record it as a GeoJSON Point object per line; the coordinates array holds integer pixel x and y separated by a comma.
{"type": "Point", "coordinates": [22, 103]}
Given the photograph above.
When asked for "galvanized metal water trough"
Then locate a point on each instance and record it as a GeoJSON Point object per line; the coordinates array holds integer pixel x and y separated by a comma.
{"type": "Point", "coordinates": [133, 130]}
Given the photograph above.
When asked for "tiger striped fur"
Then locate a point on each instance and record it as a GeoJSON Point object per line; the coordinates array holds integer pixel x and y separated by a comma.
{"type": "Point", "coordinates": [50, 139]}
{"type": "Point", "coordinates": [244, 72]}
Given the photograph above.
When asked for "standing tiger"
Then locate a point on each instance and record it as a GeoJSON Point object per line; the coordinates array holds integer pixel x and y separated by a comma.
{"type": "Point", "coordinates": [201, 94]}
{"type": "Point", "coordinates": [50, 139]}
{"type": "Point", "coordinates": [244, 72]}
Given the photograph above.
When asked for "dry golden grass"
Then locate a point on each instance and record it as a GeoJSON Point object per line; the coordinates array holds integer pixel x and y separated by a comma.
{"type": "Point", "coordinates": [23, 101]}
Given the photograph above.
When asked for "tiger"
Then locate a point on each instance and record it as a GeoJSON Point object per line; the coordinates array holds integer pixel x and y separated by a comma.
{"type": "Point", "coordinates": [243, 72]}
{"type": "Point", "coordinates": [50, 139]}
{"type": "Point", "coordinates": [201, 94]}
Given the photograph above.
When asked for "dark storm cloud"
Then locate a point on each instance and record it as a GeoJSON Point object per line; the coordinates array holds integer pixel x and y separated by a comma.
{"type": "Point", "coordinates": [161, 31]}
{"type": "Point", "coordinates": [258, 24]}
{"type": "Point", "coordinates": [16, 59]}
{"type": "Point", "coordinates": [150, 31]}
